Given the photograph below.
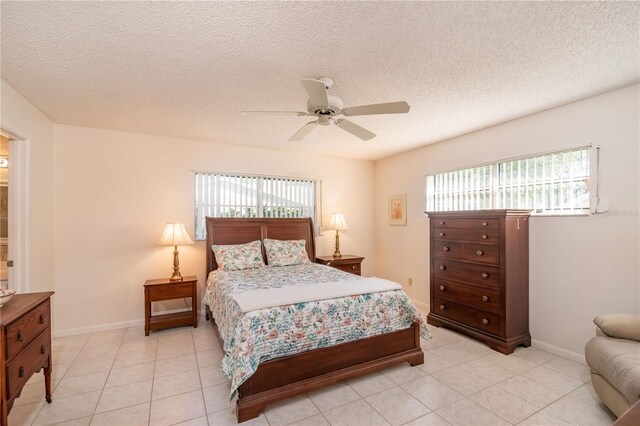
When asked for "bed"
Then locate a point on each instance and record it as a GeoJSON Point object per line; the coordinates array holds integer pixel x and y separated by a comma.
{"type": "Point", "coordinates": [284, 376]}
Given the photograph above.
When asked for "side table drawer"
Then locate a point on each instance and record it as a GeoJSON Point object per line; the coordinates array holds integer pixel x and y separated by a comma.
{"type": "Point", "coordinates": [27, 362]}
{"type": "Point", "coordinates": [353, 268]}
{"type": "Point", "coordinates": [24, 329]}
{"type": "Point", "coordinates": [175, 291]}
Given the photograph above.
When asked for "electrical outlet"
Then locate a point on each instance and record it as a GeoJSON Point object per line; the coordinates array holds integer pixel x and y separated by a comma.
{"type": "Point", "coordinates": [410, 281]}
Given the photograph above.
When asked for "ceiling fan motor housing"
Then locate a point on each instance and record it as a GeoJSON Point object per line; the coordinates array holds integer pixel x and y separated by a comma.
{"type": "Point", "coordinates": [335, 107]}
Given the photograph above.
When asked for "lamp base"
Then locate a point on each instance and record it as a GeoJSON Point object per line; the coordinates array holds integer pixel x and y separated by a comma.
{"type": "Point", "coordinates": [337, 252]}
{"type": "Point", "coordinates": [176, 266]}
{"type": "Point", "coordinates": [176, 277]}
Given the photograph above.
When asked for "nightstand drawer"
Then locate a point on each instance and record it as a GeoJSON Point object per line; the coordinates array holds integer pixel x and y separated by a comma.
{"type": "Point", "coordinates": [21, 332]}
{"type": "Point", "coordinates": [174, 291]}
{"type": "Point", "coordinates": [353, 268]}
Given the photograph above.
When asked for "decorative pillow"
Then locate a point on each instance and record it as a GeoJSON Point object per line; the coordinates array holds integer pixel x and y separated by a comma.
{"type": "Point", "coordinates": [622, 326]}
{"type": "Point", "coordinates": [286, 252]}
{"type": "Point", "coordinates": [235, 257]}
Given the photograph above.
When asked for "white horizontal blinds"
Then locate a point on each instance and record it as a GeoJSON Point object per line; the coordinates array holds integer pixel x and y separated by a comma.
{"type": "Point", "coordinates": [555, 183]}
{"type": "Point", "coordinates": [468, 189]}
{"type": "Point", "coordinates": [226, 195]}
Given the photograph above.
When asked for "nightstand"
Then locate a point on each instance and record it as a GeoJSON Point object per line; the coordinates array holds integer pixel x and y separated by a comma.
{"type": "Point", "coordinates": [347, 262]}
{"type": "Point", "coordinates": [165, 289]}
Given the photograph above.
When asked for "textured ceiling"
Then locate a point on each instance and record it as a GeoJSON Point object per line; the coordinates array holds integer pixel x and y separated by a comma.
{"type": "Point", "coordinates": [186, 69]}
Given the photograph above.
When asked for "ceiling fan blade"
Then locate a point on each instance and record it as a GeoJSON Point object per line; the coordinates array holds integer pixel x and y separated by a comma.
{"type": "Point", "coordinates": [298, 113]}
{"type": "Point", "coordinates": [317, 92]}
{"type": "Point", "coordinates": [388, 108]}
{"type": "Point", "coordinates": [355, 130]}
{"type": "Point", "coordinates": [303, 132]}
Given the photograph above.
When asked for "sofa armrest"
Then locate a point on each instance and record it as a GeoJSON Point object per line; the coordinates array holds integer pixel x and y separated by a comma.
{"type": "Point", "coordinates": [621, 326]}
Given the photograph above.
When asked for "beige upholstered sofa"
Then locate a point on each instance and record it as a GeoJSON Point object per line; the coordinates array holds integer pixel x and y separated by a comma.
{"type": "Point", "coordinates": [614, 358]}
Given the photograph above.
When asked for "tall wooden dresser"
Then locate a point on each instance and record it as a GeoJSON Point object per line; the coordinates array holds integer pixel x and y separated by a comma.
{"type": "Point", "coordinates": [480, 275]}
{"type": "Point", "coordinates": [25, 346]}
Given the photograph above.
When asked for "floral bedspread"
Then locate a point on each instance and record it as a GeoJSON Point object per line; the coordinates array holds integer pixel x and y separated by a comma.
{"type": "Point", "coordinates": [258, 336]}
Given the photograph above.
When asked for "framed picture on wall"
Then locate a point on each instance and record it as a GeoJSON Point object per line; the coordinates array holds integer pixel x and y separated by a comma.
{"type": "Point", "coordinates": [398, 209]}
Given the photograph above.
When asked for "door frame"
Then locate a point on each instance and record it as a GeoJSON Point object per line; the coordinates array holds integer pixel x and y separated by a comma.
{"type": "Point", "coordinates": [19, 207]}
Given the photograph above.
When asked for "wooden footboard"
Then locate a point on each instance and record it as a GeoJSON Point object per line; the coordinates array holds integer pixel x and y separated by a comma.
{"type": "Point", "coordinates": [285, 377]}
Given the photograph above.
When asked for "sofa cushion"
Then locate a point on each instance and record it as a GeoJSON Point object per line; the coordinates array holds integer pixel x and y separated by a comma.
{"type": "Point", "coordinates": [622, 326]}
{"type": "Point", "coordinates": [617, 360]}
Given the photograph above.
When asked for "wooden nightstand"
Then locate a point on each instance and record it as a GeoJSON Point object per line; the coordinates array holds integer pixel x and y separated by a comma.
{"type": "Point", "coordinates": [347, 262]}
{"type": "Point", "coordinates": [164, 289]}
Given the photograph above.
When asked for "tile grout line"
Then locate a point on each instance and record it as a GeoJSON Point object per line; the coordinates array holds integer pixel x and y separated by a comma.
{"type": "Point", "coordinates": [153, 377]}
{"type": "Point", "coordinates": [63, 376]}
{"type": "Point", "coordinates": [110, 368]}
{"type": "Point", "coordinates": [204, 401]}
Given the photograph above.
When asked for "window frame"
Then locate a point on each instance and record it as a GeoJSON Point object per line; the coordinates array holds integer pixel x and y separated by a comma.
{"type": "Point", "coordinates": [317, 196]}
{"type": "Point", "coordinates": [495, 183]}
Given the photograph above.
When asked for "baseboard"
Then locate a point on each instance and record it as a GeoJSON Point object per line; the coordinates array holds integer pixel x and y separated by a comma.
{"type": "Point", "coordinates": [421, 305]}
{"type": "Point", "coordinates": [558, 351]}
{"type": "Point", "coordinates": [110, 326]}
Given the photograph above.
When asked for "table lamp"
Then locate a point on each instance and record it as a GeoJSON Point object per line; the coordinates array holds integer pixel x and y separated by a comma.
{"type": "Point", "coordinates": [175, 234]}
{"type": "Point", "coordinates": [338, 223]}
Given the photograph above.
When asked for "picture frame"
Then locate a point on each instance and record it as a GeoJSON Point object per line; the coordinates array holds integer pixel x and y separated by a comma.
{"type": "Point", "coordinates": [398, 210]}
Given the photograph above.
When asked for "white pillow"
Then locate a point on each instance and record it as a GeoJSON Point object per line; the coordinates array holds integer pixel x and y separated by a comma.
{"type": "Point", "coordinates": [286, 252]}
{"type": "Point", "coordinates": [236, 257]}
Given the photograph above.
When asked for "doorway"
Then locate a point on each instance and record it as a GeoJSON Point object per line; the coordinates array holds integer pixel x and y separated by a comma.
{"type": "Point", "coordinates": [4, 211]}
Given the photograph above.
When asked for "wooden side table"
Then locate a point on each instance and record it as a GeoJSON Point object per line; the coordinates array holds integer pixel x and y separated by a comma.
{"type": "Point", "coordinates": [165, 289]}
{"type": "Point", "coordinates": [348, 263]}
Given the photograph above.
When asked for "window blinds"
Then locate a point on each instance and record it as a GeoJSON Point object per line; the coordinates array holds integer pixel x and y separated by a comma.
{"type": "Point", "coordinates": [226, 195]}
{"type": "Point", "coordinates": [551, 184]}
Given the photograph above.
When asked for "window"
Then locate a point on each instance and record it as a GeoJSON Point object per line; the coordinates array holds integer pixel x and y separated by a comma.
{"type": "Point", "coordinates": [548, 184]}
{"type": "Point", "coordinates": [231, 195]}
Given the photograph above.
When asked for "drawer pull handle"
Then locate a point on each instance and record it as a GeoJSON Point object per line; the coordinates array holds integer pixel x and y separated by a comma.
{"type": "Point", "coordinates": [484, 223]}
{"type": "Point", "coordinates": [41, 319]}
{"type": "Point", "coordinates": [20, 336]}
{"type": "Point", "coordinates": [479, 252]}
{"type": "Point", "coordinates": [443, 307]}
{"type": "Point", "coordinates": [354, 267]}
{"type": "Point", "coordinates": [485, 321]}
{"type": "Point", "coordinates": [485, 299]}
{"type": "Point", "coordinates": [485, 236]}
{"type": "Point", "coordinates": [43, 350]}
{"type": "Point", "coordinates": [21, 372]}
{"type": "Point", "coordinates": [484, 275]}
{"type": "Point", "coordinates": [442, 288]}
{"type": "Point", "coordinates": [442, 234]}
{"type": "Point", "coordinates": [442, 223]}
{"type": "Point", "coordinates": [445, 248]}
{"type": "Point", "coordinates": [443, 268]}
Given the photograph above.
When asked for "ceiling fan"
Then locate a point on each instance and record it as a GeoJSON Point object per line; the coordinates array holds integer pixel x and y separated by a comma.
{"type": "Point", "coordinates": [326, 107]}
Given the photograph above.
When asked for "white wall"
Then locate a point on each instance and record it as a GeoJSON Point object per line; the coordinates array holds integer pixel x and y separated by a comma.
{"type": "Point", "coordinates": [579, 266]}
{"type": "Point", "coordinates": [23, 119]}
{"type": "Point", "coordinates": [115, 191]}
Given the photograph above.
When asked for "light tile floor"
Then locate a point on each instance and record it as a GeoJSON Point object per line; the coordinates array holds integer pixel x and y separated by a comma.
{"type": "Point", "coordinates": [122, 378]}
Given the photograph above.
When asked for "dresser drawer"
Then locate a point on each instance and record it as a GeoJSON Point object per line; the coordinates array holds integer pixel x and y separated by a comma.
{"type": "Point", "coordinates": [468, 224]}
{"type": "Point", "coordinates": [32, 358]}
{"type": "Point", "coordinates": [484, 298]}
{"type": "Point", "coordinates": [456, 234]}
{"type": "Point", "coordinates": [481, 320]}
{"type": "Point", "coordinates": [485, 253]}
{"type": "Point", "coordinates": [466, 272]}
{"type": "Point", "coordinates": [447, 249]}
{"type": "Point", "coordinates": [22, 331]}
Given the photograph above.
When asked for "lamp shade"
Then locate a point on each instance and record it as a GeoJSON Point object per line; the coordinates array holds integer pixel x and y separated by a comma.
{"type": "Point", "coordinates": [175, 234]}
{"type": "Point", "coordinates": [338, 222]}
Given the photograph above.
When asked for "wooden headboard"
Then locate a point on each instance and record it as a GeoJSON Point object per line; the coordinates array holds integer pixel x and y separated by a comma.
{"type": "Point", "coordinates": [223, 230]}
